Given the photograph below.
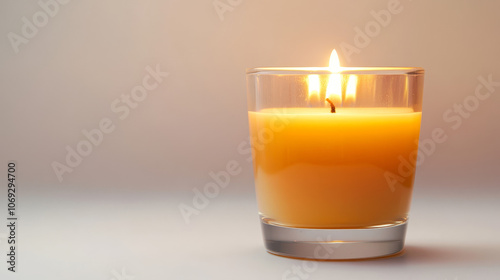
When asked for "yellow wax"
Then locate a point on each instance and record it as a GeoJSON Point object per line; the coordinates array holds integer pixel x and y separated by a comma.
{"type": "Point", "coordinates": [318, 169]}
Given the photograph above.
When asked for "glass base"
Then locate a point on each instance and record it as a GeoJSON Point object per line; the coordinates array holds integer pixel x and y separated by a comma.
{"type": "Point", "coordinates": [334, 244]}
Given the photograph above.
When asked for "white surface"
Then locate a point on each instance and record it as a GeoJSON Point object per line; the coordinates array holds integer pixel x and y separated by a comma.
{"type": "Point", "coordinates": [65, 79]}
{"type": "Point", "coordinates": [452, 235]}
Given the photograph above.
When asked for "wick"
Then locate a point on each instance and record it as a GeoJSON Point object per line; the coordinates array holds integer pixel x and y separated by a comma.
{"type": "Point", "coordinates": [331, 105]}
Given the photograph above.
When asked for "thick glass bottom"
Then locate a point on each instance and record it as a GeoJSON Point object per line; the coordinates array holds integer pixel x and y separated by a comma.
{"type": "Point", "coordinates": [334, 244]}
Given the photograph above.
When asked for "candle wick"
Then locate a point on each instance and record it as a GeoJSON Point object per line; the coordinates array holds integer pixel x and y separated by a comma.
{"type": "Point", "coordinates": [331, 105]}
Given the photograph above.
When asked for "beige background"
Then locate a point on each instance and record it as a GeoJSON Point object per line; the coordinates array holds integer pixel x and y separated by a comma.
{"type": "Point", "coordinates": [65, 78]}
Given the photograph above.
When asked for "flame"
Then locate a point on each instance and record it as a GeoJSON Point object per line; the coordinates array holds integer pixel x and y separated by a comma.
{"type": "Point", "coordinates": [314, 87]}
{"type": "Point", "coordinates": [334, 62]}
{"type": "Point", "coordinates": [334, 88]}
{"type": "Point", "coordinates": [350, 93]}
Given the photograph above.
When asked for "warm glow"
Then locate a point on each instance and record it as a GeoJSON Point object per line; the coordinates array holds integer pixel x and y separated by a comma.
{"type": "Point", "coordinates": [350, 93]}
{"type": "Point", "coordinates": [334, 62]}
{"type": "Point", "coordinates": [334, 88]}
{"type": "Point", "coordinates": [405, 100]}
{"type": "Point", "coordinates": [314, 87]}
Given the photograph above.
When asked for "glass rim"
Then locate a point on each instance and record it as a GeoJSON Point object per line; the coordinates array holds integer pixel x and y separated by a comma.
{"type": "Point", "coordinates": [342, 70]}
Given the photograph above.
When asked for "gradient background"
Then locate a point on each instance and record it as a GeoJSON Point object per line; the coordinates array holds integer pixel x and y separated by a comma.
{"type": "Point", "coordinates": [119, 209]}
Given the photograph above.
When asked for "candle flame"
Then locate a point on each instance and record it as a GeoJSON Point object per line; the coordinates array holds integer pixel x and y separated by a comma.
{"type": "Point", "coordinates": [334, 62]}
{"type": "Point", "coordinates": [334, 88]}
{"type": "Point", "coordinates": [350, 93]}
{"type": "Point", "coordinates": [314, 87]}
